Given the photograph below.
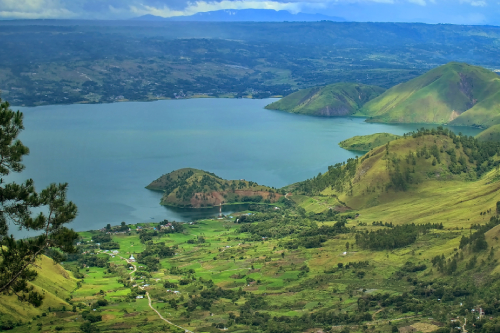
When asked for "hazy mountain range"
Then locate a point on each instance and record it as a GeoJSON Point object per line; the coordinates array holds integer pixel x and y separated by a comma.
{"type": "Point", "coordinates": [255, 15]}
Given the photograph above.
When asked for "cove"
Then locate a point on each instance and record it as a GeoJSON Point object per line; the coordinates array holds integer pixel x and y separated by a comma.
{"type": "Point", "coordinates": [108, 153]}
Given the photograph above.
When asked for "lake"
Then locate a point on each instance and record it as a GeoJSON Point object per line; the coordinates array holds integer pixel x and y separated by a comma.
{"type": "Point", "coordinates": [108, 153]}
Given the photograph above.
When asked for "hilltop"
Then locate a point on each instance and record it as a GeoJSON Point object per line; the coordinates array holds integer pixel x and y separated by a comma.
{"type": "Point", "coordinates": [455, 93]}
{"type": "Point", "coordinates": [367, 142]}
{"type": "Point", "coordinates": [338, 99]}
{"type": "Point", "coordinates": [193, 188]}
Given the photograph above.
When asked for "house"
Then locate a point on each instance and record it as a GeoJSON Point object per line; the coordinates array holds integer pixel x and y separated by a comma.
{"type": "Point", "coordinates": [131, 258]}
{"type": "Point", "coordinates": [139, 297]}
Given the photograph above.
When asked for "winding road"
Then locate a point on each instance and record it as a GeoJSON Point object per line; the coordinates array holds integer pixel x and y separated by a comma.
{"type": "Point", "coordinates": [149, 298]}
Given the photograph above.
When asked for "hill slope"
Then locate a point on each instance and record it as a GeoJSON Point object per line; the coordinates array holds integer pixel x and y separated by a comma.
{"type": "Point", "coordinates": [367, 142]}
{"type": "Point", "coordinates": [454, 93]}
{"type": "Point", "coordinates": [339, 99]}
{"type": "Point", "coordinates": [193, 188]}
{"type": "Point", "coordinates": [490, 134]}
{"type": "Point", "coordinates": [53, 281]}
{"type": "Point", "coordinates": [404, 167]}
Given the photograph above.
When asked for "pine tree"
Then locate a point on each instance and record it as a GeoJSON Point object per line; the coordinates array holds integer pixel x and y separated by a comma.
{"type": "Point", "coordinates": [19, 257]}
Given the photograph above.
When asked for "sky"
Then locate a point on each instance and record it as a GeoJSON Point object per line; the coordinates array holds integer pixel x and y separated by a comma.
{"type": "Point", "coordinates": [426, 11]}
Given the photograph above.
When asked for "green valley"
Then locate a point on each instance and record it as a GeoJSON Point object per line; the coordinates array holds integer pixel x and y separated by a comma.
{"type": "Point", "coordinates": [403, 238]}
{"type": "Point", "coordinates": [340, 99]}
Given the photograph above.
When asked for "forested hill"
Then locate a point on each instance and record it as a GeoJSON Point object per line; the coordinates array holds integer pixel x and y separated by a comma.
{"type": "Point", "coordinates": [193, 188]}
{"type": "Point", "coordinates": [408, 164]}
{"type": "Point", "coordinates": [339, 99]}
{"type": "Point", "coordinates": [455, 93]}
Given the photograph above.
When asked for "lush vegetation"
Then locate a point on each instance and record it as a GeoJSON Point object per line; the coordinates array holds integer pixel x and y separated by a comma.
{"type": "Point", "coordinates": [338, 99]}
{"type": "Point", "coordinates": [197, 189]}
{"type": "Point", "coordinates": [455, 93]}
{"type": "Point", "coordinates": [367, 142]}
{"type": "Point", "coordinates": [406, 162]}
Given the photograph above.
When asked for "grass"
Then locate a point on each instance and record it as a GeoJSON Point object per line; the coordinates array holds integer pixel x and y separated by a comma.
{"type": "Point", "coordinates": [337, 99]}
{"type": "Point", "coordinates": [490, 134]}
{"type": "Point", "coordinates": [53, 282]}
{"type": "Point", "coordinates": [367, 142]}
{"type": "Point", "coordinates": [455, 93]}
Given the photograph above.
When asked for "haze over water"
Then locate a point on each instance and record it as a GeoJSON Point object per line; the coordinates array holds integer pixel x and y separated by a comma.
{"type": "Point", "coordinates": [108, 153]}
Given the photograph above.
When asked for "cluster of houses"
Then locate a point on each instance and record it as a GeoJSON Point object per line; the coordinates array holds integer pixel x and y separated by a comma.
{"type": "Point", "coordinates": [173, 291]}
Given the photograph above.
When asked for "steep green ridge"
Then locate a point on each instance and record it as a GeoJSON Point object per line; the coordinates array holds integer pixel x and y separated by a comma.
{"type": "Point", "coordinates": [490, 134]}
{"type": "Point", "coordinates": [53, 281]}
{"type": "Point", "coordinates": [193, 188]}
{"type": "Point", "coordinates": [367, 142]}
{"type": "Point", "coordinates": [339, 99]}
{"type": "Point", "coordinates": [455, 93]}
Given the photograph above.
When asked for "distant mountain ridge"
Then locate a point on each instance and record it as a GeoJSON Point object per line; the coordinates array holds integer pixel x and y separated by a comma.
{"type": "Point", "coordinates": [252, 15]}
{"type": "Point", "coordinates": [338, 99]}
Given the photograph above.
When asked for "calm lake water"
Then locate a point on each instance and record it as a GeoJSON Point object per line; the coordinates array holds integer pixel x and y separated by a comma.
{"type": "Point", "coordinates": [108, 153]}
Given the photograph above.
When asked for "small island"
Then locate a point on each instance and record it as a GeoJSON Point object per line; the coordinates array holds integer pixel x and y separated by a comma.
{"type": "Point", "coordinates": [193, 188]}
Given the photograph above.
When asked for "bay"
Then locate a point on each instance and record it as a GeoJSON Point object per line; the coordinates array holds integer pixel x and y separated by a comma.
{"type": "Point", "coordinates": [108, 153]}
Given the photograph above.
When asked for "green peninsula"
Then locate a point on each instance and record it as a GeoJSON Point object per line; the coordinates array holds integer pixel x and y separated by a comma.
{"type": "Point", "coordinates": [339, 99]}
{"type": "Point", "coordinates": [367, 142]}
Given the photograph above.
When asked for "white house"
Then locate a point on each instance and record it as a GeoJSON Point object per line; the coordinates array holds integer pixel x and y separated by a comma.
{"type": "Point", "coordinates": [131, 258]}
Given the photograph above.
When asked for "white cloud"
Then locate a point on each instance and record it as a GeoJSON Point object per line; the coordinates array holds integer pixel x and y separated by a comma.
{"type": "Point", "coordinates": [475, 3]}
{"type": "Point", "coordinates": [33, 9]}
{"type": "Point", "coordinates": [203, 6]}
{"type": "Point", "coordinates": [419, 2]}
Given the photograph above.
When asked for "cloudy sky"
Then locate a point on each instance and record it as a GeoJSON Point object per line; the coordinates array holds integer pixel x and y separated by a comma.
{"type": "Point", "coordinates": [428, 11]}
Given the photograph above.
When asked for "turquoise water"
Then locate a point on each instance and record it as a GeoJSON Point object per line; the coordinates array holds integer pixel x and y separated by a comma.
{"type": "Point", "coordinates": [108, 153]}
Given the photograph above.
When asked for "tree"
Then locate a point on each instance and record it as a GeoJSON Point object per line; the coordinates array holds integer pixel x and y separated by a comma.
{"type": "Point", "coordinates": [19, 257]}
{"type": "Point", "coordinates": [498, 207]}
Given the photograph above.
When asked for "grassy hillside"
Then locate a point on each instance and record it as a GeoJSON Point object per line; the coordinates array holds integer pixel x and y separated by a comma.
{"type": "Point", "coordinates": [339, 99]}
{"type": "Point", "coordinates": [403, 168]}
{"type": "Point", "coordinates": [53, 281]}
{"type": "Point", "coordinates": [192, 188]}
{"type": "Point", "coordinates": [454, 93]}
{"type": "Point", "coordinates": [490, 134]}
{"type": "Point", "coordinates": [367, 142]}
